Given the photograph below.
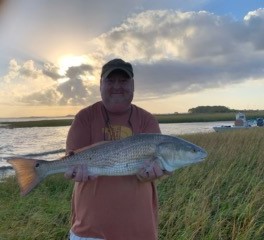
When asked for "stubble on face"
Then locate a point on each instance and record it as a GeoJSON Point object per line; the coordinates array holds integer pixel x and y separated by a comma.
{"type": "Point", "coordinates": [117, 91]}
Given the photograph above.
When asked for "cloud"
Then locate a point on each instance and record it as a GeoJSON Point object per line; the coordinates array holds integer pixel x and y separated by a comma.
{"type": "Point", "coordinates": [22, 80]}
{"type": "Point", "coordinates": [72, 91]}
{"type": "Point", "coordinates": [172, 52]}
{"type": "Point", "coordinates": [46, 28]}
{"type": "Point", "coordinates": [50, 70]}
{"type": "Point", "coordinates": [77, 92]}
{"type": "Point", "coordinates": [255, 15]}
{"type": "Point", "coordinates": [254, 21]}
{"type": "Point", "coordinates": [179, 52]}
{"type": "Point", "coordinates": [171, 34]}
{"type": "Point", "coordinates": [47, 97]}
{"type": "Point", "coordinates": [76, 71]}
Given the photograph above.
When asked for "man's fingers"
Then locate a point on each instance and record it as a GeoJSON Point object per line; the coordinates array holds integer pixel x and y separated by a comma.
{"type": "Point", "coordinates": [151, 171]}
{"type": "Point", "coordinates": [70, 173]}
{"type": "Point", "coordinates": [79, 173]}
{"type": "Point", "coordinates": [158, 172]}
{"type": "Point", "coordinates": [85, 175]}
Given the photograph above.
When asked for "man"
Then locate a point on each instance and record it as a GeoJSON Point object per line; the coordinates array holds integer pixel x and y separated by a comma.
{"type": "Point", "coordinates": [119, 207]}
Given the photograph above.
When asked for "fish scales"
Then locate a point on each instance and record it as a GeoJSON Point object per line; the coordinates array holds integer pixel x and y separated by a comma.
{"type": "Point", "coordinates": [122, 157]}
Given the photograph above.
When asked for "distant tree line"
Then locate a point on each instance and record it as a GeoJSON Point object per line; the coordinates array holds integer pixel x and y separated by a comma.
{"type": "Point", "coordinates": [210, 109]}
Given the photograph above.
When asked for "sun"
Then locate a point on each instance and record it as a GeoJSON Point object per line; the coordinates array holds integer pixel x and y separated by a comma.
{"type": "Point", "coordinates": [68, 61]}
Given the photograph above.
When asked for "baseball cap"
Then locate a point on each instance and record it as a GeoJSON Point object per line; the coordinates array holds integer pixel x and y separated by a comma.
{"type": "Point", "coordinates": [117, 64]}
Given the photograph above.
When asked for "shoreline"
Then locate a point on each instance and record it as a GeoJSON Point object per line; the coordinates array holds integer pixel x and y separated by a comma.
{"type": "Point", "coordinates": [162, 118]}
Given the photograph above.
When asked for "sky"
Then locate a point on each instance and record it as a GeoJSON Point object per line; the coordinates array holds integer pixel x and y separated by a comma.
{"type": "Point", "coordinates": [185, 53]}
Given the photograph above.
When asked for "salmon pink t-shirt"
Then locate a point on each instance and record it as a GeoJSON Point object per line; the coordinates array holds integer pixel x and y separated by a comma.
{"type": "Point", "coordinates": [112, 207]}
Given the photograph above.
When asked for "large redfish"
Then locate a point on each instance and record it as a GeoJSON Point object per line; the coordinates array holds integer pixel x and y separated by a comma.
{"type": "Point", "coordinates": [115, 158]}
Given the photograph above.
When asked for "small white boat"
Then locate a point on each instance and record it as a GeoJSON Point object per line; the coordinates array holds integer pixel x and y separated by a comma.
{"type": "Point", "coordinates": [240, 123]}
{"type": "Point", "coordinates": [228, 128]}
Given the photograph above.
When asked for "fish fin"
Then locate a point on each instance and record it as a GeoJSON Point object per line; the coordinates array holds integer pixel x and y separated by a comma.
{"type": "Point", "coordinates": [26, 173]}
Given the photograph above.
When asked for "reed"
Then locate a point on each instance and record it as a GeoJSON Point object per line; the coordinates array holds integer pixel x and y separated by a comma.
{"type": "Point", "coordinates": [44, 214]}
{"type": "Point", "coordinates": [221, 198]}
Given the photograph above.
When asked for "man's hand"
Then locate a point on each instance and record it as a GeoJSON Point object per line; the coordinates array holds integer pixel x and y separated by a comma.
{"type": "Point", "coordinates": [151, 172]}
{"type": "Point", "coordinates": [79, 173]}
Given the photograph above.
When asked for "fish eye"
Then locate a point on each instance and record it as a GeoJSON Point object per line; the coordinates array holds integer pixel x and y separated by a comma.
{"type": "Point", "coordinates": [37, 165]}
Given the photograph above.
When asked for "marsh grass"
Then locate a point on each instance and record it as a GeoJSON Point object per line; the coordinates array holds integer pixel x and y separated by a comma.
{"type": "Point", "coordinates": [38, 123]}
{"type": "Point", "coordinates": [222, 198]}
{"type": "Point", "coordinates": [162, 118]}
{"type": "Point", "coordinates": [44, 214]}
{"type": "Point", "coordinates": [204, 117]}
{"type": "Point", "coordinates": [219, 199]}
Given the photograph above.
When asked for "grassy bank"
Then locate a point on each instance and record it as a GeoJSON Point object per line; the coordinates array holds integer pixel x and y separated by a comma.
{"type": "Point", "coordinates": [204, 117]}
{"type": "Point", "coordinates": [39, 123]}
{"type": "Point", "coordinates": [162, 118]}
{"type": "Point", "coordinates": [222, 198]}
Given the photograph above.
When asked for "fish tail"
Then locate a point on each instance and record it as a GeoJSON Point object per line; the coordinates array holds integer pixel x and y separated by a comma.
{"type": "Point", "coordinates": [27, 176]}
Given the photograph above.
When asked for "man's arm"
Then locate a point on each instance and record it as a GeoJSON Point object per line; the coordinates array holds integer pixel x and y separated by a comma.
{"type": "Point", "coordinates": [78, 137]}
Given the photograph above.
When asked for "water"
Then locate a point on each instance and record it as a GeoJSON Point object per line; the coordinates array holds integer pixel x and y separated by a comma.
{"type": "Point", "coordinates": [191, 128]}
{"type": "Point", "coordinates": [48, 143]}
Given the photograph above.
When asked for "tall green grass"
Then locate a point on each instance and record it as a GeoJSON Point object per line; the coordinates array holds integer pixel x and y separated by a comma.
{"type": "Point", "coordinates": [222, 198]}
{"type": "Point", "coordinates": [219, 199]}
{"type": "Point", "coordinates": [44, 214]}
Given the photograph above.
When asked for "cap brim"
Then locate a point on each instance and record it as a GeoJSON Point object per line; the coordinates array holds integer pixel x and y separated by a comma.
{"type": "Point", "coordinates": [117, 68]}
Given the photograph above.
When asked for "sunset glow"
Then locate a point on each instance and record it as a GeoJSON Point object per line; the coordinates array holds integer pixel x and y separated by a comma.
{"type": "Point", "coordinates": [184, 54]}
{"type": "Point", "coordinates": [67, 61]}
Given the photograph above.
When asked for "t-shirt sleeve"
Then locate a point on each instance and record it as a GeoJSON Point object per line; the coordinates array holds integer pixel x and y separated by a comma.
{"type": "Point", "coordinates": [150, 124]}
{"type": "Point", "coordinates": [78, 135]}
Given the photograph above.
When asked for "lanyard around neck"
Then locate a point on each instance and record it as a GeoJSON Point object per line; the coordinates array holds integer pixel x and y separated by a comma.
{"type": "Point", "coordinates": [110, 126]}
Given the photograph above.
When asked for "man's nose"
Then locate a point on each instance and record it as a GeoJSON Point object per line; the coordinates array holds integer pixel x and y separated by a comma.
{"type": "Point", "coordinates": [116, 84]}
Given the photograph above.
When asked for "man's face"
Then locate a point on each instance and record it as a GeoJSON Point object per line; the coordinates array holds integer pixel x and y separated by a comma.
{"type": "Point", "coordinates": [117, 91]}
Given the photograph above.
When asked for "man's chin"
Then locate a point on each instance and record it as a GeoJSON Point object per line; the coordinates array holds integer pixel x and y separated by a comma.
{"type": "Point", "coordinates": [117, 98]}
{"type": "Point", "coordinates": [117, 107]}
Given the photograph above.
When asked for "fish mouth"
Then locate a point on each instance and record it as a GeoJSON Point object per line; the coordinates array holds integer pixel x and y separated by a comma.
{"type": "Point", "coordinates": [203, 155]}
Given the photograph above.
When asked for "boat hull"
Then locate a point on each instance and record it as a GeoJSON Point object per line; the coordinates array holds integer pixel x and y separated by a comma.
{"type": "Point", "coordinates": [229, 128]}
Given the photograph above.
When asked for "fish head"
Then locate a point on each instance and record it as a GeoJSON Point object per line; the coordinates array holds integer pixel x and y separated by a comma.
{"type": "Point", "coordinates": [177, 154]}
